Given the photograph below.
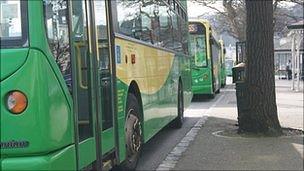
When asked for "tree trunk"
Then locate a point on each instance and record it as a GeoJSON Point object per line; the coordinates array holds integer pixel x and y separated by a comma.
{"type": "Point", "coordinates": [261, 116]}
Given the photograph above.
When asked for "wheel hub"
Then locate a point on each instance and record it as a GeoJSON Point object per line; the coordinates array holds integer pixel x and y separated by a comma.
{"type": "Point", "coordinates": [136, 136]}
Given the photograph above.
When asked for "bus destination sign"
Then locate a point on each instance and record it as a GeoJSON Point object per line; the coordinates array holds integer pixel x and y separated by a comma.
{"type": "Point", "coordinates": [192, 28]}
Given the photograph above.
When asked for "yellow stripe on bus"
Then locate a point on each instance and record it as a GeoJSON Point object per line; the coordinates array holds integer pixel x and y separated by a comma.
{"type": "Point", "coordinates": [150, 67]}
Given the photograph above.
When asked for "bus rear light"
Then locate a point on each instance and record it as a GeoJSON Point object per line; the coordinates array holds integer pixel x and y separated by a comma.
{"type": "Point", "coordinates": [16, 102]}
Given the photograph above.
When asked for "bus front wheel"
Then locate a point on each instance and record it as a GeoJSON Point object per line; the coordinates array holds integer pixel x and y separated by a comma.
{"type": "Point", "coordinates": [133, 133]}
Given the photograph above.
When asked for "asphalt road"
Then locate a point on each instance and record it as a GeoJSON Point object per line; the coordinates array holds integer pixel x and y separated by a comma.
{"type": "Point", "coordinates": [155, 151]}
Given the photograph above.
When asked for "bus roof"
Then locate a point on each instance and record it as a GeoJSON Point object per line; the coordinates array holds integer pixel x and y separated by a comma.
{"type": "Point", "coordinates": [207, 25]}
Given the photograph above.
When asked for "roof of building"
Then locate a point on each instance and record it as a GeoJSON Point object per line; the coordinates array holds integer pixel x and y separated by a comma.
{"type": "Point", "coordinates": [287, 47]}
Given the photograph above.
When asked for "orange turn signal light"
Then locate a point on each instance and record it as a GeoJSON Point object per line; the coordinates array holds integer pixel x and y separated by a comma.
{"type": "Point", "coordinates": [16, 102]}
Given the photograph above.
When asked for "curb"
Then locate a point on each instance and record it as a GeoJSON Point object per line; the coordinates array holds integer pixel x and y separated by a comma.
{"type": "Point", "coordinates": [173, 157]}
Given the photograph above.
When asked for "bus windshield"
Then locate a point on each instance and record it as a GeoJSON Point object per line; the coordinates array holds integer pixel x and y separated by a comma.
{"type": "Point", "coordinates": [198, 50]}
{"type": "Point", "coordinates": [13, 23]}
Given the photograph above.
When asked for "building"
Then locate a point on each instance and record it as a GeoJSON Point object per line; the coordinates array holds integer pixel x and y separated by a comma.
{"type": "Point", "coordinates": [283, 54]}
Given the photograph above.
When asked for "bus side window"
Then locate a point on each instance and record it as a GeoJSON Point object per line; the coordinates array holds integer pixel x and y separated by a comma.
{"type": "Point", "coordinates": [81, 53]}
{"type": "Point", "coordinates": [166, 37]}
{"type": "Point", "coordinates": [56, 22]}
{"type": "Point", "coordinates": [128, 17]}
{"type": "Point", "coordinates": [176, 32]}
{"type": "Point", "coordinates": [145, 28]}
{"type": "Point", "coordinates": [184, 31]}
{"type": "Point", "coordinates": [150, 22]}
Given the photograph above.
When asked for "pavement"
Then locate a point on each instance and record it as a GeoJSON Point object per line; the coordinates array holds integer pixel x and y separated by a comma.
{"type": "Point", "coordinates": [211, 150]}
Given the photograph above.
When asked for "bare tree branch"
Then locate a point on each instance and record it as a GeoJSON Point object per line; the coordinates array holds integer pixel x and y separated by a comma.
{"type": "Point", "coordinates": [233, 16]}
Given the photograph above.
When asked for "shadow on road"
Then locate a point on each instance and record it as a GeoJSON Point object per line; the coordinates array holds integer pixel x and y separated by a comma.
{"type": "Point", "coordinates": [156, 149]}
{"type": "Point", "coordinates": [209, 152]}
{"type": "Point", "coordinates": [202, 98]}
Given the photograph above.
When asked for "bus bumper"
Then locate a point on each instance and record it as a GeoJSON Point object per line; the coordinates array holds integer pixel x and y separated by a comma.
{"type": "Point", "coordinates": [202, 89]}
{"type": "Point", "coordinates": [63, 159]}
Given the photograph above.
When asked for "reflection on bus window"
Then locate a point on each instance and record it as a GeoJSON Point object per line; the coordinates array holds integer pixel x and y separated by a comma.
{"type": "Point", "coordinates": [166, 36]}
{"type": "Point", "coordinates": [10, 21]}
{"type": "Point", "coordinates": [56, 21]}
{"type": "Point", "coordinates": [103, 44]}
{"type": "Point", "coordinates": [198, 50]}
{"type": "Point", "coordinates": [128, 17]}
{"type": "Point", "coordinates": [13, 24]}
{"type": "Point", "coordinates": [153, 23]}
{"type": "Point", "coordinates": [80, 45]}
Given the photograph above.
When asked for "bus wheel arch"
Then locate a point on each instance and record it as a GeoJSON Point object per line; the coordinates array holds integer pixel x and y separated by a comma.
{"type": "Point", "coordinates": [133, 127]}
{"type": "Point", "coordinates": [134, 89]}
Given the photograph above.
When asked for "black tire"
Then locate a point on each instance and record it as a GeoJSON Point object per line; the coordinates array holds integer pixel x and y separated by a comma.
{"type": "Point", "coordinates": [179, 120]}
{"type": "Point", "coordinates": [218, 91]}
{"type": "Point", "coordinates": [211, 96]}
{"type": "Point", "coordinates": [133, 133]}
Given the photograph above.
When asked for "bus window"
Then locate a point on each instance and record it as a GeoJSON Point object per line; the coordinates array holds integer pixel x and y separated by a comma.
{"type": "Point", "coordinates": [56, 22]}
{"type": "Point", "coordinates": [128, 16]}
{"type": "Point", "coordinates": [146, 29]}
{"type": "Point", "coordinates": [215, 51]}
{"type": "Point", "coordinates": [104, 61]}
{"type": "Point", "coordinates": [150, 22]}
{"type": "Point", "coordinates": [198, 50]}
{"type": "Point", "coordinates": [80, 51]}
{"type": "Point", "coordinates": [166, 37]}
{"type": "Point", "coordinates": [176, 32]}
{"type": "Point", "coordinates": [13, 23]}
{"type": "Point", "coordinates": [102, 34]}
{"type": "Point", "coordinates": [185, 33]}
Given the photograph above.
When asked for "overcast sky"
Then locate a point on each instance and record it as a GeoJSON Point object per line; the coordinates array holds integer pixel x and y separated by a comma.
{"type": "Point", "coordinates": [195, 10]}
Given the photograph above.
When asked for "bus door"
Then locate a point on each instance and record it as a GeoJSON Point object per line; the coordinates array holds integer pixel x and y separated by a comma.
{"type": "Point", "coordinates": [215, 69]}
{"type": "Point", "coordinates": [85, 84]}
{"type": "Point", "coordinates": [104, 76]}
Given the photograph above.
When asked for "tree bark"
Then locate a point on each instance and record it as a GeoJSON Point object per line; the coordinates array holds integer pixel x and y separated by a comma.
{"type": "Point", "coordinates": [261, 116]}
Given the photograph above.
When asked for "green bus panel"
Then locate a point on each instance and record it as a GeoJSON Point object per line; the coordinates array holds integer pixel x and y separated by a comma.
{"type": "Point", "coordinates": [47, 124]}
{"type": "Point", "coordinates": [47, 106]}
{"type": "Point", "coordinates": [202, 81]}
{"type": "Point", "coordinates": [63, 159]}
{"type": "Point", "coordinates": [11, 60]}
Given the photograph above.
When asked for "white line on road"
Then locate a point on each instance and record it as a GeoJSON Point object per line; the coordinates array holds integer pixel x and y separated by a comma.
{"type": "Point", "coordinates": [174, 156]}
{"type": "Point", "coordinates": [214, 104]}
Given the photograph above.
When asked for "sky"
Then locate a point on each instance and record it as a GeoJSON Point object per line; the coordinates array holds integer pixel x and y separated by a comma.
{"type": "Point", "coordinates": [195, 10]}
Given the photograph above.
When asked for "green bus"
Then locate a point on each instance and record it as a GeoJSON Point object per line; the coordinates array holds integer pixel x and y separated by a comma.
{"type": "Point", "coordinates": [229, 65]}
{"type": "Point", "coordinates": [222, 61]}
{"type": "Point", "coordinates": [85, 83]}
{"type": "Point", "coordinates": [205, 52]}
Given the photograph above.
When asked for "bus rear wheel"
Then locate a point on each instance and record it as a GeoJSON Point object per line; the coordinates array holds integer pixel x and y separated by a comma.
{"type": "Point", "coordinates": [218, 91]}
{"type": "Point", "coordinates": [133, 133]}
{"type": "Point", "coordinates": [178, 122]}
